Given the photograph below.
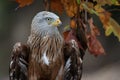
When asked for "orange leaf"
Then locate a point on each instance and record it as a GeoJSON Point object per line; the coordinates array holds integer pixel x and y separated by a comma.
{"type": "Point", "coordinates": [69, 13]}
{"type": "Point", "coordinates": [65, 34]}
{"type": "Point", "coordinates": [70, 7]}
{"type": "Point", "coordinates": [73, 23]}
{"type": "Point", "coordinates": [56, 5]}
{"type": "Point", "coordinates": [23, 3]}
{"type": "Point", "coordinates": [103, 15]}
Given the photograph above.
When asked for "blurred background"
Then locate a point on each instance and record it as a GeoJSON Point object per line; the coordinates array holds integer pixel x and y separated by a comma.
{"type": "Point", "coordinates": [15, 27]}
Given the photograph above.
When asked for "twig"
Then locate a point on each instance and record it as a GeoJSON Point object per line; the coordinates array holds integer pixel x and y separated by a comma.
{"type": "Point", "coordinates": [47, 4]}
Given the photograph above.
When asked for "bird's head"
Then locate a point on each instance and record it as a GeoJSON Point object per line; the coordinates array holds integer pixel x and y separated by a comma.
{"type": "Point", "coordinates": [45, 21]}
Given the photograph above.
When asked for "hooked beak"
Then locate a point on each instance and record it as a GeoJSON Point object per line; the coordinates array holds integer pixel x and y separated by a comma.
{"type": "Point", "coordinates": [57, 23]}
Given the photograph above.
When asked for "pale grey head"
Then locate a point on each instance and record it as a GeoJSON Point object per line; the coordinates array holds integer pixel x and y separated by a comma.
{"type": "Point", "coordinates": [45, 22]}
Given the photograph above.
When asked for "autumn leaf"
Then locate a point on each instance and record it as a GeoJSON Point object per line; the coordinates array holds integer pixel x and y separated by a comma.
{"type": "Point", "coordinates": [115, 28]}
{"type": "Point", "coordinates": [108, 31]}
{"type": "Point", "coordinates": [78, 1]}
{"type": "Point", "coordinates": [109, 24]}
{"type": "Point", "coordinates": [94, 46]}
{"type": "Point", "coordinates": [23, 3]}
{"type": "Point", "coordinates": [93, 28]}
{"type": "Point", "coordinates": [56, 5]}
{"type": "Point", "coordinates": [114, 1]}
{"type": "Point", "coordinates": [109, 2]}
{"type": "Point", "coordinates": [65, 34]}
{"type": "Point", "coordinates": [70, 7]}
{"type": "Point", "coordinates": [89, 7]}
{"type": "Point", "coordinates": [103, 15]}
{"type": "Point", "coordinates": [73, 23]}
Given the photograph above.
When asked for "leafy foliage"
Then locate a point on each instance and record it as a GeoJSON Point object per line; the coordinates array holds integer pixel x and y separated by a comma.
{"type": "Point", "coordinates": [109, 24]}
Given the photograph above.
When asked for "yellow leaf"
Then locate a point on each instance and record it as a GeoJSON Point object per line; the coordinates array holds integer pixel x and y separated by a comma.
{"type": "Point", "coordinates": [89, 8]}
{"type": "Point", "coordinates": [108, 31]}
{"type": "Point", "coordinates": [103, 15]}
{"type": "Point", "coordinates": [109, 2]}
{"type": "Point", "coordinates": [112, 27]}
{"type": "Point", "coordinates": [66, 28]}
{"type": "Point", "coordinates": [115, 27]}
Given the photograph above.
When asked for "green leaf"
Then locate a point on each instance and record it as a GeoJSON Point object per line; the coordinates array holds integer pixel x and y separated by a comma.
{"type": "Point", "coordinates": [67, 27]}
{"type": "Point", "coordinates": [93, 12]}
{"type": "Point", "coordinates": [115, 27]}
{"type": "Point", "coordinates": [78, 1]}
{"type": "Point", "coordinates": [114, 1]}
{"type": "Point", "coordinates": [108, 31]}
{"type": "Point", "coordinates": [109, 2]}
{"type": "Point", "coordinates": [90, 10]}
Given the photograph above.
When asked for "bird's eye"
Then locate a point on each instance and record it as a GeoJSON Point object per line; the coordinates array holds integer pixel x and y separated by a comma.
{"type": "Point", "coordinates": [48, 19]}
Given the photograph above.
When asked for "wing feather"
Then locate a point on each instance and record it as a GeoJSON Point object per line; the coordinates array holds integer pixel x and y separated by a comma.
{"type": "Point", "coordinates": [19, 62]}
{"type": "Point", "coordinates": [73, 61]}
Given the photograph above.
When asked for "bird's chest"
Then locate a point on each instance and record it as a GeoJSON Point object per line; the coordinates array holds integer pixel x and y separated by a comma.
{"type": "Point", "coordinates": [47, 55]}
{"type": "Point", "coordinates": [48, 63]}
{"type": "Point", "coordinates": [46, 58]}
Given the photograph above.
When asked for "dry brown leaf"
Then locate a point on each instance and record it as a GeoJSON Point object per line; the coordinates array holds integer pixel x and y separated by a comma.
{"type": "Point", "coordinates": [56, 5]}
{"type": "Point", "coordinates": [94, 46]}
{"type": "Point", "coordinates": [94, 29]}
{"type": "Point", "coordinates": [65, 34]}
{"type": "Point", "coordinates": [23, 3]}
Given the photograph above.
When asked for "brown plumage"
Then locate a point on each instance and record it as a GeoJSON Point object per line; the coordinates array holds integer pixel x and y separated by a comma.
{"type": "Point", "coordinates": [73, 54]}
{"type": "Point", "coordinates": [46, 56]}
{"type": "Point", "coordinates": [19, 62]}
{"type": "Point", "coordinates": [49, 47]}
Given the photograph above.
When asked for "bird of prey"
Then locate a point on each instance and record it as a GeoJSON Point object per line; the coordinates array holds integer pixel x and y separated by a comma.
{"type": "Point", "coordinates": [46, 56]}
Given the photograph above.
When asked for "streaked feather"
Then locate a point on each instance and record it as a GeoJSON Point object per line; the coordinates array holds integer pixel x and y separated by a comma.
{"type": "Point", "coordinates": [19, 62]}
{"type": "Point", "coordinates": [73, 65]}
